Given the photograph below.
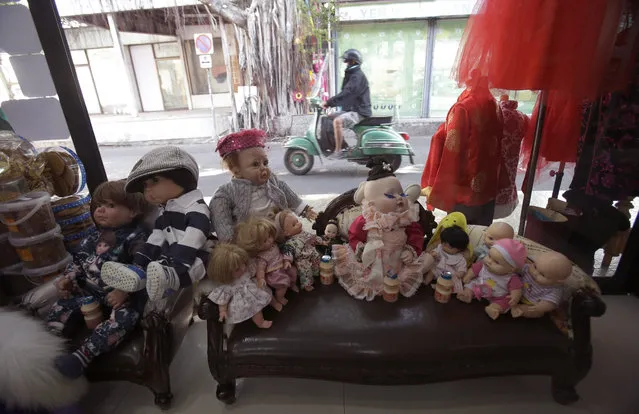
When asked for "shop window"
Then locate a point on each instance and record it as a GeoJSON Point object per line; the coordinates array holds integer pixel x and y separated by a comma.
{"type": "Point", "coordinates": [394, 63]}
{"type": "Point", "coordinates": [171, 74]}
{"type": "Point", "coordinates": [198, 76]}
{"type": "Point", "coordinates": [85, 78]}
{"type": "Point", "coordinates": [110, 80]}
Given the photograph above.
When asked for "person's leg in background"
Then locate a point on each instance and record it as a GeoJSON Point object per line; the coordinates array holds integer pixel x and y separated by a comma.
{"type": "Point", "coordinates": [338, 128]}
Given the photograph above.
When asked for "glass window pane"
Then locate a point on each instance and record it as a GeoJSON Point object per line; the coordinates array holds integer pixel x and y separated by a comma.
{"type": "Point", "coordinates": [88, 89]}
{"type": "Point", "coordinates": [197, 75]}
{"type": "Point", "coordinates": [172, 76]}
{"type": "Point", "coordinates": [79, 57]}
{"type": "Point", "coordinates": [165, 50]}
{"type": "Point", "coordinates": [394, 63]}
{"type": "Point", "coordinates": [110, 80]}
{"type": "Point", "coordinates": [443, 89]}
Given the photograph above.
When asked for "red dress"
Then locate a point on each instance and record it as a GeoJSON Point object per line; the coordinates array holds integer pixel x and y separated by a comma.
{"type": "Point", "coordinates": [464, 162]}
{"type": "Point", "coordinates": [540, 44]}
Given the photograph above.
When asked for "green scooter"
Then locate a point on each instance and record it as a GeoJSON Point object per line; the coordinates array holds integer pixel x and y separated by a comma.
{"type": "Point", "coordinates": [375, 138]}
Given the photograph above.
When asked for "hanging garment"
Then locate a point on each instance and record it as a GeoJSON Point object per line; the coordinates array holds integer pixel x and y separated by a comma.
{"type": "Point", "coordinates": [464, 162]}
{"type": "Point", "coordinates": [515, 126]}
{"type": "Point", "coordinates": [540, 44]}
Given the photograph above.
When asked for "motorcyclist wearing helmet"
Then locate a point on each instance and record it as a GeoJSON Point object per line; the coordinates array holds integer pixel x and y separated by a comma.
{"type": "Point", "coordinates": [355, 99]}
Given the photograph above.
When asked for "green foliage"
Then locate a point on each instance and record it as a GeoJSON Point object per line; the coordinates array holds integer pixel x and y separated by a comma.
{"type": "Point", "coordinates": [318, 18]}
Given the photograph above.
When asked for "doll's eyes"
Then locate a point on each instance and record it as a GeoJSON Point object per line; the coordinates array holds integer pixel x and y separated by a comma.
{"type": "Point", "coordinates": [403, 195]}
{"type": "Point", "coordinates": [389, 195]}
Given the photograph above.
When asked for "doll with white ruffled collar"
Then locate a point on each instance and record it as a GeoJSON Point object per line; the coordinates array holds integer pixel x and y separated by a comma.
{"type": "Point", "coordinates": [386, 241]}
{"type": "Point", "coordinates": [449, 257]}
{"type": "Point", "coordinates": [298, 246]}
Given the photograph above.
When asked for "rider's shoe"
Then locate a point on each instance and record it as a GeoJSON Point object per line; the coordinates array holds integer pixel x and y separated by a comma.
{"type": "Point", "coordinates": [338, 155]}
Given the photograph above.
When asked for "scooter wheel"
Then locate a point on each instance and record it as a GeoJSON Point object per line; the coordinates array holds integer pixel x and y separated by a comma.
{"type": "Point", "coordinates": [298, 161]}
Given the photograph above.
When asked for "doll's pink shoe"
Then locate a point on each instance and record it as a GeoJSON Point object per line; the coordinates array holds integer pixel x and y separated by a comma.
{"type": "Point", "coordinates": [124, 277]}
{"type": "Point", "coordinates": [162, 281]}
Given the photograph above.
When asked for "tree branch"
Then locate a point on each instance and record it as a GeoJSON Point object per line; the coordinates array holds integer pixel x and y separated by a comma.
{"type": "Point", "coordinates": [227, 10]}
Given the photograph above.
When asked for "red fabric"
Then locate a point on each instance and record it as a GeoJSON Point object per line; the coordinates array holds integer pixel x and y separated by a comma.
{"type": "Point", "coordinates": [464, 162]}
{"type": "Point", "coordinates": [249, 138]}
{"type": "Point", "coordinates": [515, 127]}
{"type": "Point", "coordinates": [357, 234]}
{"type": "Point", "coordinates": [540, 44]}
{"type": "Point", "coordinates": [561, 131]}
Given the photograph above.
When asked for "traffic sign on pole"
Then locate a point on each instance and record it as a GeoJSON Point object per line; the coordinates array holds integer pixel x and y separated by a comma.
{"type": "Point", "coordinates": [203, 43]}
{"type": "Point", "coordinates": [206, 62]}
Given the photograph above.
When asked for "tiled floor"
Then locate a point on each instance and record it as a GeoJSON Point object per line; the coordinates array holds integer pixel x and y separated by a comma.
{"type": "Point", "coordinates": [610, 388]}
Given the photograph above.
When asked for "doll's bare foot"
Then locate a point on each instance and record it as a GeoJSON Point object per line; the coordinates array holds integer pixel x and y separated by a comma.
{"type": "Point", "coordinates": [465, 296]}
{"type": "Point", "coordinates": [276, 305]}
{"type": "Point", "coordinates": [429, 278]}
{"type": "Point", "coordinates": [516, 311]}
{"type": "Point", "coordinates": [258, 319]}
{"type": "Point", "coordinates": [295, 289]}
{"type": "Point", "coordinates": [280, 296]}
{"type": "Point", "coordinates": [308, 288]}
{"type": "Point", "coordinates": [282, 300]}
{"type": "Point", "coordinates": [493, 311]}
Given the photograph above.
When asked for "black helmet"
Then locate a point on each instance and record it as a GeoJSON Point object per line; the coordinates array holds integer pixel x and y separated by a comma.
{"type": "Point", "coordinates": [354, 55]}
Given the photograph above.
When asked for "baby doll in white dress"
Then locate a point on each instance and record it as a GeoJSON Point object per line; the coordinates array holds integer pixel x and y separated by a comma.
{"type": "Point", "coordinates": [449, 257]}
{"type": "Point", "coordinates": [237, 294]}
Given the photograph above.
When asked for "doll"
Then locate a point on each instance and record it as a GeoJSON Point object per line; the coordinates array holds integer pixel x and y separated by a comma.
{"type": "Point", "coordinates": [175, 253]}
{"type": "Point", "coordinates": [299, 246]}
{"type": "Point", "coordinates": [495, 278]}
{"type": "Point", "coordinates": [387, 235]}
{"type": "Point", "coordinates": [331, 235]}
{"type": "Point", "coordinates": [237, 294]}
{"type": "Point", "coordinates": [494, 232]}
{"type": "Point", "coordinates": [257, 236]}
{"type": "Point", "coordinates": [449, 257]}
{"type": "Point", "coordinates": [253, 190]}
{"type": "Point", "coordinates": [105, 242]}
{"type": "Point", "coordinates": [543, 285]}
{"type": "Point", "coordinates": [452, 219]}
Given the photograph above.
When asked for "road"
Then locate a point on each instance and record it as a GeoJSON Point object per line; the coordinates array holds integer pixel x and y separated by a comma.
{"type": "Point", "coordinates": [324, 180]}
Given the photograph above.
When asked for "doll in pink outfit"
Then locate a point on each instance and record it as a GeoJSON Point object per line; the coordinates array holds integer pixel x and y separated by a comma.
{"type": "Point", "coordinates": [257, 236]}
{"type": "Point", "coordinates": [495, 278]}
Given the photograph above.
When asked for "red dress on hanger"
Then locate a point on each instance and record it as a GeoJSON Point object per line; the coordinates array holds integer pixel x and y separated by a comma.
{"type": "Point", "coordinates": [560, 45]}
{"type": "Point", "coordinates": [464, 162]}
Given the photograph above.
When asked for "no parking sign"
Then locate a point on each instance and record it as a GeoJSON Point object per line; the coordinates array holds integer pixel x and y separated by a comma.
{"type": "Point", "coordinates": [203, 43]}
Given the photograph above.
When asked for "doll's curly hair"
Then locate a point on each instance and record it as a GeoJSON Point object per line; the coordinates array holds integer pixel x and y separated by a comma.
{"type": "Point", "coordinates": [225, 259]}
{"type": "Point", "coordinates": [250, 235]}
{"type": "Point", "coordinates": [279, 220]}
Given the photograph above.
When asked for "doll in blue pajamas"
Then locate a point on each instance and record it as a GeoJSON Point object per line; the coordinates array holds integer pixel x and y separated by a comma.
{"type": "Point", "coordinates": [119, 238]}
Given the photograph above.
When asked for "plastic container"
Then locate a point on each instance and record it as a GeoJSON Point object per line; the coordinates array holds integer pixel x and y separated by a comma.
{"type": "Point", "coordinates": [92, 312]}
{"type": "Point", "coordinates": [391, 288]}
{"type": "Point", "coordinates": [67, 171]}
{"type": "Point", "coordinates": [73, 215]}
{"type": "Point", "coordinates": [71, 241]}
{"type": "Point", "coordinates": [12, 188]}
{"type": "Point", "coordinates": [37, 276]}
{"type": "Point", "coordinates": [327, 275]}
{"type": "Point", "coordinates": [28, 215]}
{"type": "Point", "coordinates": [40, 251]}
{"type": "Point", "coordinates": [444, 287]}
{"type": "Point", "coordinates": [8, 255]}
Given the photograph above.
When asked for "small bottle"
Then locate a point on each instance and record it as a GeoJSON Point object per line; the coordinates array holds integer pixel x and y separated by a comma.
{"type": "Point", "coordinates": [444, 287]}
{"type": "Point", "coordinates": [327, 275]}
{"type": "Point", "coordinates": [391, 287]}
{"type": "Point", "coordinates": [92, 312]}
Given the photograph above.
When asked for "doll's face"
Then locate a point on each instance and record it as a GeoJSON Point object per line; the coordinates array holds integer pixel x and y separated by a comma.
{"type": "Point", "coordinates": [496, 263]}
{"type": "Point", "coordinates": [158, 190]}
{"type": "Point", "coordinates": [292, 226]}
{"type": "Point", "coordinates": [239, 271]}
{"type": "Point", "coordinates": [268, 243]}
{"type": "Point", "coordinates": [450, 249]}
{"type": "Point", "coordinates": [253, 166]}
{"type": "Point", "coordinates": [550, 269]}
{"type": "Point", "coordinates": [331, 231]}
{"type": "Point", "coordinates": [387, 195]}
{"type": "Point", "coordinates": [497, 231]}
{"type": "Point", "coordinates": [111, 215]}
{"type": "Point", "coordinates": [101, 248]}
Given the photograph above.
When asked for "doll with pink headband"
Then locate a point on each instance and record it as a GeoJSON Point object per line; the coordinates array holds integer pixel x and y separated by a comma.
{"type": "Point", "coordinates": [495, 278]}
{"type": "Point", "coordinates": [253, 190]}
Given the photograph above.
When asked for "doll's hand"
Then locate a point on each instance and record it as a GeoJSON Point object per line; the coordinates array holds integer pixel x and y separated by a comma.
{"type": "Point", "coordinates": [310, 214]}
{"type": "Point", "coordinates": [260, 282]}
{"type": "Point", "coordinates": [469, 276]}
{"type": "Point", "coordinates": [117, 298]}
{"type": "Point", "coordinates": [515, 297]}
{"type": "Point", "coordinates": [223, 314]}
{"type": "Point", "coordinates": [434, 254]}
{"type": "Point", "coordinates": [287, 265]}
{"type": "Point", "coordinates": [407, 256]}
{"type": "Point", "coordinates": [64, 286]}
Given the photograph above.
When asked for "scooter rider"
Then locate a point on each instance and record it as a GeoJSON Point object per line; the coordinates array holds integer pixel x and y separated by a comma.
{"type": "Point", "coordinates": [355, 99]}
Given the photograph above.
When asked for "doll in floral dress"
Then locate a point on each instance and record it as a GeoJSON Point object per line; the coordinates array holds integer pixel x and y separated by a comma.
{"type": "Point", "coordinates": [299, 246]}
{"type": "Point", "coordinates": [257, 236]}
{"type": "Point", "coordinates": [237, 294]}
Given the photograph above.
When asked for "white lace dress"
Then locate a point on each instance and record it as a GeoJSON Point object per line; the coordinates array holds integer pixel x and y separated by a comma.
{"type": "Point", "coordinates": [242, 297]}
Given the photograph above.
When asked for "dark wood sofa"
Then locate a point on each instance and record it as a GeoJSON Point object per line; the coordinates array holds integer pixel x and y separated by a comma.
{"type": "Point", "coordinates": [325, 334]}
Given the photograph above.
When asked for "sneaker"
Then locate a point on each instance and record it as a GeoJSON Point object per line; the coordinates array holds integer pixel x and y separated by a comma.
{"type": "Point", "coordinates": [162, 281]}
{"type": "Point", "coordinates": [124, 277]}
{"type": "Point", "coordinates": [337, 155]}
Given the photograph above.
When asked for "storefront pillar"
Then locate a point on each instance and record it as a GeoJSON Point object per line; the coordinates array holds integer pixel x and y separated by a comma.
{"type": "Point", "coordinates": [117, 45]}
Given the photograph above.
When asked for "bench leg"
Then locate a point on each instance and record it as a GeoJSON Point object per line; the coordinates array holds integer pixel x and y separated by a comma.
{"type": "Point", "coordinates": [563, 389]}
{"type": "Point", "coordinates": [163, 400]}
{"type": "Point", "coordinates": [226, 392]}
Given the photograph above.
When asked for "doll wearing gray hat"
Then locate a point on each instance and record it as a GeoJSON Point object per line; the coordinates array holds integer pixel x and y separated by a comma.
{"type": "Point", "coordinates": [175, 254]}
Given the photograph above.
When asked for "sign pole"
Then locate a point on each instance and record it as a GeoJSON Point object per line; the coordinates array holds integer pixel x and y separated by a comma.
{"type": "Point", "coordinates": [209, 75]}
